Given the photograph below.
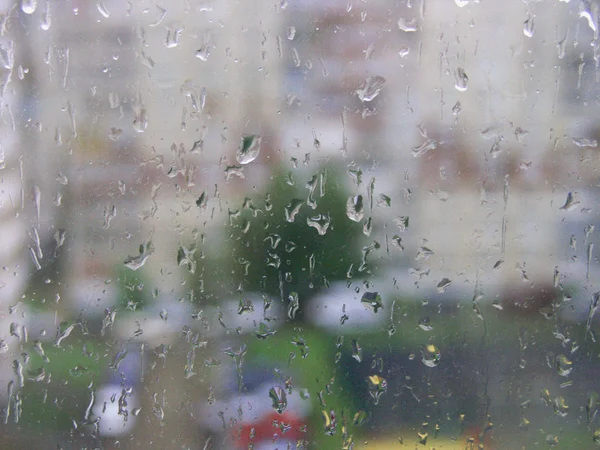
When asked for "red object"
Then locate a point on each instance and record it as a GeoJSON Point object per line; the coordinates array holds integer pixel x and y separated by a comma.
{"type": "Point", "coordinates": [476, 436]}
{"type": "Point", "coordinates": [271, 427]}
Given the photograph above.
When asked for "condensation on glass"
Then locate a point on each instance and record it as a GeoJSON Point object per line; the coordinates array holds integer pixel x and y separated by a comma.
{"type": "Point", "coordinates": [299, 224]}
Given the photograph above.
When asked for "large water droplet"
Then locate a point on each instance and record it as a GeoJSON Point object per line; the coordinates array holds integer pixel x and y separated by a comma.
{"type": "Point", "coordinates": [571, 202]}
{"type": "Point", "coordinates": [563, 365]}
{"type": "Point", "coordinates": [461, 80]}
{"type": "Point", "coordinates": [372, 300]}
{"type": "Point", "coordinates": [320, 223]}
{"type": "Point", "coordinates": [420, 150]}
{"type": "Point", "coordinates": [355, 208]}
{"type": "Point", "coordinates": [407, 25]}
{"type": "Point", "coordinates": [249, 149]}
{"type": "Point", "coordinates": [356, 350]}
{"type": "Point", "coordinates": [583, 142]}
{"type": "Point", "coordinates": [292, 209]}
{"type": "Point", "coordinates": [102, 10]}
{"type": "Point", "coordinates": [29, 6]}
{"type": "Point", "coordinates": [377, 387]}
{"type": "Point", "coordinates": [203, 52]}
{"type": "Point", "coordinates": [370, 88]}
{"type": "Point", "coordinates": [529, 27]}
{"type": "Point", "coordinates": [278, 398]}
{"type": "Point", "coordinates": [443, 285]}
{"type": "Point", "coordinates": [136, 262]}
{"type": "Point", "coordinates": [290, 33]}
{"type": "Point", "coordinates": [430, 355]}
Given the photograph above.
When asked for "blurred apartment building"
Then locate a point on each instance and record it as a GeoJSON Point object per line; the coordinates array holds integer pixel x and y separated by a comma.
{"type": "Point", "coordinates": [139, 108]}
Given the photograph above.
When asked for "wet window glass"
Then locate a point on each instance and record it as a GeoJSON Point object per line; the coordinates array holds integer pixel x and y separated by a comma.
{"type": "Point", "coordinates": [299, 224]}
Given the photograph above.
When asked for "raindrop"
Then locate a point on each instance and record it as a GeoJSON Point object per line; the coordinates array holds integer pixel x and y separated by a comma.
{"type": "Point", "coordinates": [372, 300]}
{"type": "Point", "coordinates": [425, 324]}
{"type": "Point", "coordinates": [377, 387]}
{"type": "Point", "coordinates": [360, 417]}
{"type": "Point", "coordinates": [420, 150]}
{"type": "Point", "coordinates": [355, 208]}
{"type": "Point", "coordinates": [330, 422]}
{"type": "Point", "coordinates": [430, 355]}
{"type": "Point", "coordinates": [278, 398]}
{"type": "Point", "coordinates": [203, 53]}
{"type": "Point", "coordinates": [582, 142]}
{"type": "Point", "coordinates": [29, 6]}
{"type": "Point", "coordinates": [292, 209]}
{"type": "Point", "coordinates": [404, 52]}
{"type": "Point", "coordinates": [356, 350]}
{"type": "Point", "coordinates": [291, 33]}
{"type": "Point", "coordinates": [249, 149]}
{"type": "Point", "coordinates": [571, 202]}
{"type": "Point", "coordinates": [524, 424]}
{"type": "Point", "coordinates": [529, 27]}
{"type": "Point", "coordinates": [320, 222]}
{"type": "Point", "coordinates": [560, 406]}
{"type": "Point", "coordinates": [140, 121]}
{"type": "Point", "coordinates": [136, 262]}
{"type": "Point", "coordinates": [102, 10]}
{"type": "Point", "coordinates": [461, 80]}
{"type": "Point", "coordinates": [462, 3]}
{"type": "Point", "coordinates": [370, 88]}
{"type": "Point", "coordinates": [293, 305]}
{"type": "Point", "coordinates": [406, 25]}
{"type": "Point", "coordinates": [563, 365]}
{"type": "Point", "coordinates": [591, 406]}
{"type": "Point", "coordinates": [443, 285]}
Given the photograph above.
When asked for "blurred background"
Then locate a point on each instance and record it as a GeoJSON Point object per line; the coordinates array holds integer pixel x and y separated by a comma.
{"type": "Point", "coordinates": [298, 224]}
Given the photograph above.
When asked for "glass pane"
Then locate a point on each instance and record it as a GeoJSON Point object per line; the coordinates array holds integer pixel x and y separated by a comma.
{"type": "Point", "coordinates": [299, 224]}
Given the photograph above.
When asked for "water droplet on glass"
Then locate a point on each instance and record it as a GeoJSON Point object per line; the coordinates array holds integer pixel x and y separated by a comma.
{"type": "Point", "coordinates": [172, 39]}
{"type": "Point", "coordinates": [420, 150]}
{"type": "Point", "coordinates": [443, 285]}
{"type": "Point", "coordinates": [590, 12]}
{"type": "Point", "coordinates": [290, 33]}
{"type": "Point", "coordinates": [461, 80]}
{"type": "Point", "coordinates": [292, 209]}
{"type": "Point", "coordinates": [29, 6]}
{"type": "Point", "coordinates": [293, 305]}
{"type": "Point", "coordinates": [571, 202]}
{"type": "Point", "coordinates": [582, 142]}
{"type": "Point", "coordinates": [462, 3]}
{"type": "Point", "coordinates": [560, 406]}
{"type": "Point", "coordinates": [46, 19]}
{"type": "Point", "coordinates": [407, 25]}
{"type": "Point", "coordinates": [404, 52]}
{"type": "Point", "coordinates": [102, 10]}
{"type": "Point", "coordinates": [278, 398]}
{"type": "Point", "coordinates": [140, 121]}
{"type": "Point", "coordinates": [377, 387]}
{"type": "Point", "coordinates": [360, 417]}
{"type": "Point", "coordinates": [330, 422]}
{"type": "Point", "coordinates": [355, 208]}
{"type": "Point", "coordinates": [430, 355]}
{"type": "Point", "coordinates": [372, 300]}
{"type": "Point", "coordinates": [136, 262]}
{"type": "Point", "coordinates": [249, 149]}
{"type": "Point", "coordinates": [356, 350]}
{"type": "Point", "coordinates": [563, 365]}
{"type": "Point", "coordinates": [203, 52]}
{"type": "Point", "coordinates": [425, 324]}
{"type": "Point", "coordinates": [370, 88]}
{"type": "Point", "coordinates": [320, 223]}
{"type": "Point", "coordinates": [529, 27]}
